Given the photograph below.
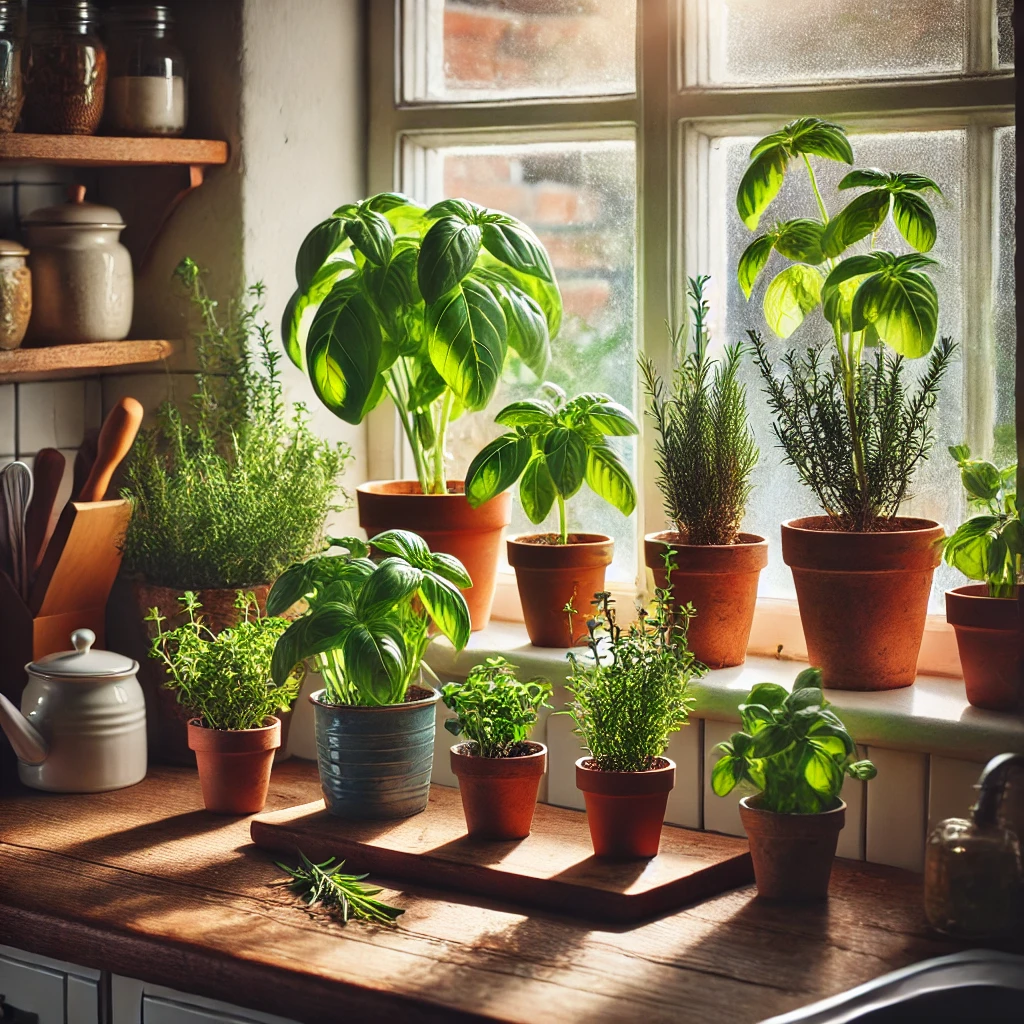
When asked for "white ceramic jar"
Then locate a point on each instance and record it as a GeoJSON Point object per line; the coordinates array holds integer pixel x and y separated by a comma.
{"type": "Point", "coordinates": [82, 285]}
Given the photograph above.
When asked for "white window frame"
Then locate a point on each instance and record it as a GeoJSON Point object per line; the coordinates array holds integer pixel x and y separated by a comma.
{"type": "Point", "coordinates": [670, 113]}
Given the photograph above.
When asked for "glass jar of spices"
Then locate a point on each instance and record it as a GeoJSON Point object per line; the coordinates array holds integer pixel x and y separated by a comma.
{"type": "Point", "coordinates": [65, 69]}
{"type": "Point", "coordinates": [147, 93]}
{"type": "Point", "coordinates": [11, 94]}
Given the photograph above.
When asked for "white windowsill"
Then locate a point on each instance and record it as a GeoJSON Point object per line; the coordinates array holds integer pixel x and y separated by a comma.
{"type": "Point", "coordinates": [932, 716]}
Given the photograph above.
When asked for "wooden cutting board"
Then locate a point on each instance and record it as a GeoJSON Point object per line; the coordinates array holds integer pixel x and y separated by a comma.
{"type": "Point", "coordinates": [554, 868]}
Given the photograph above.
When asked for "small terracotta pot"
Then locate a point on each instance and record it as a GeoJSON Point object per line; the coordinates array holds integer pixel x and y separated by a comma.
{"type": "Point", "coordinates": [792, 853]}
{"type": "Point", "coordinates": [499, 794]}
{"type": "Point", "coordinates": [234, 765]}
{"type": "Point", "coordinates": [863, 598]}
{"type": "Point", "coordinates": [448, 523]}
{"type": "Point", "coordinates": [549, 576]}
{"type": "Point", "coordinates": [625, 810]}
{"type": "Point", "coordinates": [988, 636]}
{"type": "Point", "coordinates": [720, 581]}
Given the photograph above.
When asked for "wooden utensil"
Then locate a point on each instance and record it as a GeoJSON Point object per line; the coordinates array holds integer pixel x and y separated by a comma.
{"type": "Point", "coordinates": [47, 474]}
{"type": "Point", "coordinates": [115, 440]}
{"type": "Point", "coordinates": [84, 459]}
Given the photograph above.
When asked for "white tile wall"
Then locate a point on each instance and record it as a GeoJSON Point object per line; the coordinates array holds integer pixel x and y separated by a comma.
{"type": "Point", "coordinates": [564, 749]}
{"type": "Point", "coordinates": [951, 792]}
{"type": "Point", "coordinates": [721, 813]}
{"type": "Point", "coordinates": [851, 839]}
{"type": "Point", "coordinates": [684, 802]}
{"type": "Point", "coordinates": [896, 808]}
{"type": "Point", "coordinates": [55, 414]}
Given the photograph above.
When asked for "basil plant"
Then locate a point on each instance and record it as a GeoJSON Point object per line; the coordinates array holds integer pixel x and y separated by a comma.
{"type": "Point", "coordinates": [554, 446]}
{"type": "Point", "coordinates": [367, 625]}
{"type": "Point", "coordinates": [422, 305]}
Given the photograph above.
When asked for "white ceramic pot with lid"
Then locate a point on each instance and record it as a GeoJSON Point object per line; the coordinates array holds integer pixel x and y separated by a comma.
{"type": "Point", "coordinates": [82, 285]}
{"type": "Point", "coordinates": [82, 725]}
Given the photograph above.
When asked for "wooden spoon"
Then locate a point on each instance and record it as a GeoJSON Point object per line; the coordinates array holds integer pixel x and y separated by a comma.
{"type": "Point", "coordinates": [116, 438]}
{"type": "Point", "coordinates": [47, 474]}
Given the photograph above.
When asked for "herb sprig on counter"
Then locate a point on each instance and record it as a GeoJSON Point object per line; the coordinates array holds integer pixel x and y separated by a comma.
{"type": "Point", "coordinates": [344, 895]}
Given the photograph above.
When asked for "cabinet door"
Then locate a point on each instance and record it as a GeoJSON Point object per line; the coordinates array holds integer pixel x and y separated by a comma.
{"type": "Point", "coordinates": [47, 990]}
{"type": "Point", "coordinates": [137, 1002]}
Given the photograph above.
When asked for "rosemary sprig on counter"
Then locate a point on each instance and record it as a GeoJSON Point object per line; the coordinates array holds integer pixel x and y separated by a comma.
{"type": "Point", "coordinates": [344, 894]}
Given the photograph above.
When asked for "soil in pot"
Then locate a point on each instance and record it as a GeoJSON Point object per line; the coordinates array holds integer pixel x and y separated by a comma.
{"type": "Point", "coordinates": [499, 794]}
{"type": "Point", "coordinates": [792, 853]}
{"type": "Point", "coordinates": [234, 765]}
{"type": "Point", "coordinates": [375, 762]}
{"type": "Point", "coordinates": [448, 523]}
{"type": "Point", "coordinates": [863, 598]}
{"type": "Point", "coordinates": [625, 810]}
{"type": "Point", "coordinates": [988, 637]}
{"type": "Point", "coordinates": [720, 581]}
{"type": "Point", "coordinates": [551, 575]}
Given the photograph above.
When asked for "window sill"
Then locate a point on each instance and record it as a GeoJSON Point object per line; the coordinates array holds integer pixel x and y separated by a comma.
{"type": "Point", "coordinates": [931, 717]}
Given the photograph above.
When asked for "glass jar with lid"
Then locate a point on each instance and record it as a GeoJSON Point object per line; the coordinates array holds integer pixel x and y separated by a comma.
{"type": "Point", "coordinates": [11, 93]}
{"type": "Point", "coordinates": [148, 89]}
{"type": "Point", "coordinates": [65, 69]}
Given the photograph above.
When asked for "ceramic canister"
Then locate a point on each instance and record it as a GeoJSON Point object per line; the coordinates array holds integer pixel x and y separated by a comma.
{"type": "Point", "coordinates": [88, 706]}
{"type": "Point", "coordinates": [82, 285]}
{"type": "Point", "coordinates": [15, 294]}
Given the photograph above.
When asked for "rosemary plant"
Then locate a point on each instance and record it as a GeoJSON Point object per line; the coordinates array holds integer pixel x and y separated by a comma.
{"type": "Point", "coordinates": [705, 447]}
{"type": "Point", "coordinates": [343, 894]}
{"type": "Point", "coordinates": [632, 691]}
{"type": "Point", "coordinates": [224, 678]}
{"type": "Point", "coordinates": [234, 489]}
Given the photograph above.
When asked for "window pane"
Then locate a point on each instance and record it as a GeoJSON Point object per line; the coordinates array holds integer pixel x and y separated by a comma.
{"type": "Point", "coordinates": [580, 199]}
{"type": "Point", "coordinates": [754, 41]}
{"type": "Point", "coordinates": [778, 493]}
{"type": "Point", "coordinates": [503, 49]}
{"type": "Point", "coordinates": [1004, 11]}
{"type": "Point", "coordinates": [1004, 440]}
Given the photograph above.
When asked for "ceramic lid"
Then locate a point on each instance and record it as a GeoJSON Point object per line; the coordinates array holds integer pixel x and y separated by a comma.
{"type": "Point", "coordinates": [76, 212]}
{"type": "Point", "coordinates": [9, 248]}
{"type": "Point", "coordinates": [83, 662]}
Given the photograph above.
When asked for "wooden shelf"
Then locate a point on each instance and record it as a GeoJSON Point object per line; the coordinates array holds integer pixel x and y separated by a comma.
{"type": "Point", "coordinates": [60, 361]}
{"type": "Point", "coordinates": [110, 151]}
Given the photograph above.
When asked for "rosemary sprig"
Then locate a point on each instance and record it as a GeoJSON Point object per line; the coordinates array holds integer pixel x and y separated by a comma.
{"type": "Point", "coordinates": [344, 894]}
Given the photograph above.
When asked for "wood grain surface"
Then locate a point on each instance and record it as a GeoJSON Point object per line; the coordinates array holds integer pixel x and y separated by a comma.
{"type": "Point", "coordinates": [144, 882]}
{"type": "Point", "coordinates": [110, 151]}
{"type": "Point", "coordinates": [55, 362]}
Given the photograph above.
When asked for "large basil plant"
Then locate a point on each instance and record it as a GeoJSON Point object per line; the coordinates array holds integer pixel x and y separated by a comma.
{"type": "Point", "coordinates": [420, 304]}
{"type": "Point", "coordinates": [367, 625]}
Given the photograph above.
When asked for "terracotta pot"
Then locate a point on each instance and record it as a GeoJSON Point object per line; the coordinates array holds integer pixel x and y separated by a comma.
{"type": "Point", "coordinates": [863, 598]}
{"type": "Point", "coordinates": [625, 810]}
{"type": "Point", "coordinates": [988, 636]}
{"type": "Point", "coordinates": [549, 576]}
{"type": "Point", "coordinates": [234, 765]}
{"type": "Point", "coordinates": [218, 603]}
{"type": "Point", "coordinates": [499, 794]}
{"type": "Point", "coordinates": [792, 853]}
{"type": "Point", "coordinates": [720, 581]}
{"type": "Point", "coordinates": [448, 523]}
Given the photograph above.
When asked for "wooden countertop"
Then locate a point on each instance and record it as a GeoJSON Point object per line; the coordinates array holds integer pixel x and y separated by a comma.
{"type": "Point", "coordinates": [145, 883]}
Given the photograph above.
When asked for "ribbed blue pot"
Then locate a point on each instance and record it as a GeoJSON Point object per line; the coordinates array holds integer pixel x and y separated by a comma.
{"type": "Point", "coordinates": [375, 761]}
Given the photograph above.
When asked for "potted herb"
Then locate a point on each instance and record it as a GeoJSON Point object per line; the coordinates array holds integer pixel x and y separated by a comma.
{"type": "Point", "coordinates": [223, 681]}
{"type": "Point", "coordinates": [423, 306]}
{"type": "Point", "coordinates": [705, 455]}
{"type": "Point", "coordinates": [554, 446]}
{"type": "Point", "coordinates": [989, 546]}
{"type": "Point", "coordinates": [499, 769]}
{"type": "Point", "coordinates": [795, 751]}
{"type": "Point", "coordinates": [854, 427]}
{"type": "Point", "coordinates": [627, 697]}
{"type": "Point", "coordinates": [366, 627]}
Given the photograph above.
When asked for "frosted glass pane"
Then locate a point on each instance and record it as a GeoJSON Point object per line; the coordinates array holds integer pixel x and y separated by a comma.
{"type": "Point", "coordinates": [502, 49]}
{"type": "Point", "coordinates": [580, 198]}
{"type": "Point", "coordinates": [1004, 441]}
{"type": "Point", "coordinates": [778, 493]}
{"type": "Point", "coordinates": [1004, 10]}
{"type": "Point", "coordinates": [772, 41]}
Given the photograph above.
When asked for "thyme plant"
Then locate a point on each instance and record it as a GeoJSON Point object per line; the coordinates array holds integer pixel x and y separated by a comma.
{"type": "Point", "coordinates": [223, 678]}
{"type": "Point", "coordinates": [232, 489]}
{"type": "Point", "coordinates": [705, 448]}
{"type": "Point", "coordinates": [632, 691]}
{"type": "Point", "coordinates": [493, 709]}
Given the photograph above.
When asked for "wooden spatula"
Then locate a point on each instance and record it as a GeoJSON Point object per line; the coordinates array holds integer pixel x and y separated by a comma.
{"type": "Point", "coordinates": [115, 440]}
{"type": "Point", "coordinates": [47, 474]}
{"type": "Point", "coordinates": [84, 458]}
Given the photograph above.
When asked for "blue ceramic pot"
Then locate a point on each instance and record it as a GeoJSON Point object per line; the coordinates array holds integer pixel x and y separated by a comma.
{"type": "Point", "coordinates": [375, 762]}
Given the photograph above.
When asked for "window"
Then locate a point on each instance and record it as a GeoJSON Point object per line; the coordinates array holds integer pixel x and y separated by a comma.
{"type": "Point", "coordinates": [619, 130]}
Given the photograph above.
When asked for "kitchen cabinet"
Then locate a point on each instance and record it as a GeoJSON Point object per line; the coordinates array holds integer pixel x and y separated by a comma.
{"type": "Point", "coordinates": [44, 991]}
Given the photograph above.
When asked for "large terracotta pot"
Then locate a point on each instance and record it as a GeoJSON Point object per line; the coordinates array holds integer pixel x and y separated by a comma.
{"type": "Point", "coordinates": [625, 810]}
{"type": "Point", "coordinates": [234, 765]}
{"type": "Point", "coordinates": [551, 575]}
{"type": "Point", "coordinates": [863, 598]}
{"type": "Point", "coordinates": [448, 523]}
{"type": "Point", "coordinates": [792, 853]}
{"type": "Point", "coordinates": [988, 636]}
{"type": "Point", "coordinates": [499, 794]}
{"type": "Point", "coordinates": [720, 581]}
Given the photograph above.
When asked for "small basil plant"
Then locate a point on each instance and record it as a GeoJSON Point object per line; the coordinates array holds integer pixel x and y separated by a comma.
{"type": "Point", "coordinates": [554, 446]}
{"type": "Point", "coordinates": [990, 545]}
{"type": "Point", "coordinates": [494, 710]}
{"type": "Point", "coordinates": [793, 748]}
